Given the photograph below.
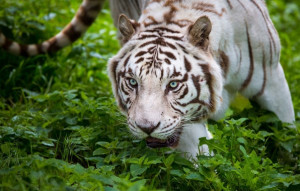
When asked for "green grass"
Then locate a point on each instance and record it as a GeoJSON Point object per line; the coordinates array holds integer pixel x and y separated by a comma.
{"type": "Point", "coordinates": [60, 128]}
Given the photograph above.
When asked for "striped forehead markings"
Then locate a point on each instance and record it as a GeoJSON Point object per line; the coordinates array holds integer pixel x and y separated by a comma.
{"type": "Point", "coordinates": [155, 49]}
{"type": "Point", "coordinates": [141, 53]}
{"type": "Point", "coordinates": [161, 29]}
{"type": "Point", "coordinates": [139, 60]}
{"type": "Point", "coordinates": [168, 54]}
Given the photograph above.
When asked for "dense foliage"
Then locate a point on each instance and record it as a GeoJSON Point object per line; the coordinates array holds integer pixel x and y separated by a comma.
{"type": "Point", "coordinates": [61, 130]}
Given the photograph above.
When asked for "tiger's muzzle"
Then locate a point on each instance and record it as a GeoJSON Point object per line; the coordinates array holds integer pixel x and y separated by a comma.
{"type": "Point", "coordinates": [159, 135]}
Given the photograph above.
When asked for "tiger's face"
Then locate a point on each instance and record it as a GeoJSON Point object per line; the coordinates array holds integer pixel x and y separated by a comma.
{"type": "Point", "coordinates": [161, 82]}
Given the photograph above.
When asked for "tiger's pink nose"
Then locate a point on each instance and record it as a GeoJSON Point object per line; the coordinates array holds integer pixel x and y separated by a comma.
{"type": "Point", "coordinates": [148, 128]}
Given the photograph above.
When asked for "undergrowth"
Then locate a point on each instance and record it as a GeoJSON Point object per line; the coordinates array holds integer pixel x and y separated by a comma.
{"type": "Point", "coordinates": [60, 128]}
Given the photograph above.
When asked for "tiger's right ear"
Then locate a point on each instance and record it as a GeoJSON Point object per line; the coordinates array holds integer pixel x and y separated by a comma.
{"type": "Point", "coordinates": [126, 28]}
{"type": "Point", "coordinates": [199, 32]}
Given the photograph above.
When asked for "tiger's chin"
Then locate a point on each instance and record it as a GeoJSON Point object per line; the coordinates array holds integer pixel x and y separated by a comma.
{"type": "Point", "coordinates": [159, 143]}
{"type": "Point", "coordinates": [171, 141]}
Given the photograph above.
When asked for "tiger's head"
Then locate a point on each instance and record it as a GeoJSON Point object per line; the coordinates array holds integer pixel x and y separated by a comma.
{"type": "Point", "coordinates": [163, 79]}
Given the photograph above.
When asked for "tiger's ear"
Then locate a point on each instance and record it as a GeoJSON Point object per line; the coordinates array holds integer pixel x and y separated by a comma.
{"type": "Point", "coordinates": [199, 32]}
{"type": "Point", "coordinates": [126, 28]}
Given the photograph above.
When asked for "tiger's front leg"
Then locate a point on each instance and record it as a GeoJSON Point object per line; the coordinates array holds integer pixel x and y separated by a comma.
{"type": "Point", "coordinates": [276, 96]}
{"type": "Point", "coordinates": [189, 140]}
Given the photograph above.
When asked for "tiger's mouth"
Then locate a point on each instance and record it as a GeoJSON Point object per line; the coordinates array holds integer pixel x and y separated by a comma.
{"type": "Point", "coordinates": [159, 143]}
{"type": "Point", "coordinates": [171, 141]}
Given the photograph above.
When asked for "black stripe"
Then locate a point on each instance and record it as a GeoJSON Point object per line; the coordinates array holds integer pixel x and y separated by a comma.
{"type": "Point", "coordinates": [147, 36]}
{"type": "Point", "coordinates": [251, 67]}
{"type": "Point", "coordinates": [229, 4]}
{"type": "Point", "coordinates": [162, 74]}
{"type": "Point", "coordinates": [139, 60]}
{"type": "Point", "coordinates": [187, 65]}
{"type": "Point", "coordinates": [123, 89]}
{"type": "Point", "coordinates": [127, 100]}
{"type": "Point", "coordinates": [168, 54]}
{"type": "Point", "coordinates": [126, 61]}
{"type": "Point", "coordinates": [209, 81]}
{"type": "Point", "coordinates": [171, 46]}
{"type": "Point", "coordinates": [243, 6]}
{"type": "Point", "coordinates": [173, 37]}
{"type": "Point", "coordinates": [140, 53]}
{"type": "Point", "coordinates": [265, 76]}
{"type": "Point", "coordinates": [224, 62]}
{"type": "Point", "coordinates": [175, 74]}
{"type": "Point", "coordinates": [83, 16]}
{"type": "Point", "coordinates": [39, 48]}
{"type": "Point", "coordinates": [177, 109]}
{"type": "Point", "coordinates": [53, 45]}
{"type": "Point", "coordinates": [204, 5]}
{"type": "Point", "coordinates": [128, 86]}
{"type": "Point", "coordinates": [178, 89]}
{"type": "Point", "coordinates": [147, 43]}
{"type": "Point", "coordinates": [240, 63]}
{"type": "Point", "coordinates": [141, 70]}
{"type": "Point", "coordinates": [268, 28]}
{"type": "Point", "coordinates": [196, 57]}
{"type": "Point", "coordinates": [183, 48]}
{"type": "Point", "coordinates": [23, 50]}
{"type": "Point", "coordinates": [210, 10]}
{"type": "Point", "coordinates": [114, 70]}
{"type": "Point", "coordinates": [7, 43]}
{"type": "Point", "coordinates": [196, 82]}
{"type": "Point", "coordinates": [116, 82]}
{"type": "Point", "coordinates": [157, 29]}
{"type": "Point", "coordinates": [186, 90]}
{"type": "Point", "coordinates": [271, 53]}
{"type": "Point", "coordinates": [71, 32]}
{"type": "Point", "coordinates": [177, 23]}
{"type": "Point", "coordinates": [167, 61]}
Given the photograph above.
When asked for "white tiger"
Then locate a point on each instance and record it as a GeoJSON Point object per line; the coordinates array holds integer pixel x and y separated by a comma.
{"type": "Point", "coordinates": [183, 61]}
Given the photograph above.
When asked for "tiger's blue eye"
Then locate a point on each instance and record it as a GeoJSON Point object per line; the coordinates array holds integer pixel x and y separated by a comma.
{"type": "Point", "coordinates": [173, 84]}
{"type": "Point", "coordinates": [132, 82]}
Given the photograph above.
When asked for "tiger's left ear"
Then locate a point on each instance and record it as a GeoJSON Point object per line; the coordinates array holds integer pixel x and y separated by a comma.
{"type": "Point", "coordinates": [199, 32]}
{"type": "Point", "coordinates": [126, 28]}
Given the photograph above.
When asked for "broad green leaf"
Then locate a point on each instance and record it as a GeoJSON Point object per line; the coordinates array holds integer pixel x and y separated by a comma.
{"type": "Point", "coordinates": [195, 176]}
{"type": "Point", "coordinates": [100, 151]}
{"type": "Point", "coordinates": [244, 151]}
{"type": "Point", "coordinates": [136, 169]}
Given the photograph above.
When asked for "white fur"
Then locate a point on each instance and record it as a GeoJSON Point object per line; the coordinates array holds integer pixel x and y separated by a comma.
{"type": "Point", "coordinates": [234, 30]}
{"type": "Point", "coordinates": [14, 48]}
{"type": "Point", "coordinates": [236, 26]}
{"type": "Point", "coordinates": [45, 46]}
{"type": "Point", "coordinates": [62, 40]}
{"type": "Point", "coordinates": [78, 25]}
{"type": "Point", "coordinates": [189, 140]}
{"type": "Point", "coordinates": [32, 50]}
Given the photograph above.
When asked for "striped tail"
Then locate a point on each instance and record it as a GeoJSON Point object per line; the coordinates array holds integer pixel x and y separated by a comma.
{"type": "Point", "coordinates": [84, 17]}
